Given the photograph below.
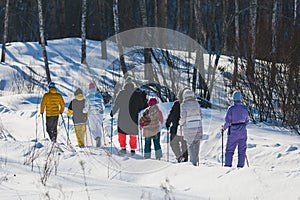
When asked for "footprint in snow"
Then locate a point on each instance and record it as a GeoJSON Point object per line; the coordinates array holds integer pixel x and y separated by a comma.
{"type": "Point", "coordinates": [249, 146]}
{"type": "Point", "coordinates": [291, 148]}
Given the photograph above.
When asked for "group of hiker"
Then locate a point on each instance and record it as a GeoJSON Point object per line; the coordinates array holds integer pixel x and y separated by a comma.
{"type": "Point", "coordinates": [84, 110]}
{"type": "Point", "coordinates": [184, 121]}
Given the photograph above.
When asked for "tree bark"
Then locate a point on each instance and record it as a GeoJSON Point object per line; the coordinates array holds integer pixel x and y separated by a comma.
{"type": "Point", "coordinates": [5, 31]}
{"type": "Point", "coordinates": [148, 71]}
{"type": "Point", "coordinates": [42, 39]}
{"type": "Point", "coordinates": [252, 41]}
{"type": "Point", "coordinates": [103, 26]}
{"type": "Point", "coordinates": [118, 39]}
{"type": "Point", "coordinates": [83, 31]}
{"type": "Point", "coordinates": [237, 43]}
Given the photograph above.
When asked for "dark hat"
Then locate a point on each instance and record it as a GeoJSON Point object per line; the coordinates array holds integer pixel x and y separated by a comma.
{"type": "Point", "coordinates": [78, 91]}
{"type": "Point", "coordinates": [51, 85]}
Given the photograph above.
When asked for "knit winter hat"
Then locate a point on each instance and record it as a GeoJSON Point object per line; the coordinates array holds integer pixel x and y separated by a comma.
{"type": "Point", "coordinates": [237, 96]}
{"type": "Point", "coordinates": [51, 85]}
{"type": "Point", "coordinates": [92, 86]}
{"type": "Point", "coordinates": [152, 102]}
{"type": "Point", "coordinates": [78, 91]}
{"type": "Point", "coordinates": [188, 94]}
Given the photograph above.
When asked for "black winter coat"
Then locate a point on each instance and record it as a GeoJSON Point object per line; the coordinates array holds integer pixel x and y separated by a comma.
{"type": "Point", "coordinates": [129, 103]}
{"type": "Point", "coordinates": [173, 118]}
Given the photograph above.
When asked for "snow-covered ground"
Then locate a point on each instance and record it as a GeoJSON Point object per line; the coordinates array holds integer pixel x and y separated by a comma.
{"type": "Point", "coordinates": [90, 173]}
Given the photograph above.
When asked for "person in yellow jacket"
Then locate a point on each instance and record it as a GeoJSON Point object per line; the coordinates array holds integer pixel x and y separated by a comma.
{"type": "Point", "coordinates": [79, 117]}
{"type": "Point", "coordinates": [55, 105]}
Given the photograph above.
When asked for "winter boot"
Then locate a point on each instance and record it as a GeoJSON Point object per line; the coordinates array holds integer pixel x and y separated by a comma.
{"type": "Point", "coordinates": [122, 151]}
{"type": "Point", "coordinates": [98, 141]}
{"type": "Point", "coordinates": [132, 152]}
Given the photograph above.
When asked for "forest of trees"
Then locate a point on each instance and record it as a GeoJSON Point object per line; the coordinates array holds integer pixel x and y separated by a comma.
{"type": "Point", "coordinates": [261, 36]}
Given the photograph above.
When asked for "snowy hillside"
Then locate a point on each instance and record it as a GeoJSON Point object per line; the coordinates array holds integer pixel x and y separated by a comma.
{"type": "Point", "coordinates": [91, 173]}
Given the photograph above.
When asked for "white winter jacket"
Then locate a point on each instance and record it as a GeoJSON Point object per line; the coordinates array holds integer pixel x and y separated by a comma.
{"type": "Point", "coordinates": [191, 119]}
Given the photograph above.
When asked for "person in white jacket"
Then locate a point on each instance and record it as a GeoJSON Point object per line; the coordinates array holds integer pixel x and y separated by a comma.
{"type": "Point", "coordinates": [94, 106]}
{"type": "Point", "coordinates": [191, 124]}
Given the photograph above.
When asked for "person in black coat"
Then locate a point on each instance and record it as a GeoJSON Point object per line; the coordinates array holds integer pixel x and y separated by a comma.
{"type": "Point", "coordinates": [178, 144]}
{"type": "Point", "coordinates": [129, 102]}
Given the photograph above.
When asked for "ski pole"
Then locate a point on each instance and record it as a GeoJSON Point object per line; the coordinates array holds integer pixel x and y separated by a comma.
{"type": "Point", "coordinates": [111, 132]}
{"type": "Point", "coordinates": [222, 135]}
{"type": "Point", "coordinates": [247, 161]}
{"type": "Point", "coordinates": [43, 125]}
{"type": "Point", "coordinates": [168, 141]}
{"type": "Point", "coordinates": [68, 139]}
{"type": "Point", "coordinates": [68, 124]}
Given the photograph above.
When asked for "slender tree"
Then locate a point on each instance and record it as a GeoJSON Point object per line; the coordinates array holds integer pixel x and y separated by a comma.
{"type": "Point", "coordinates": [147, 51]}
{"type": "Point", "coordinates": [252, 40]}
{"type": "Point", "coordinates": [118, 39]}
{"type": "Point", "coordinates": [42, 39]}
{"type": "Point", "coordinates": [199, 63]}
{"type": "Point", "coordinates": [237, 42]}
{"type": "Point", "coordinates": [83, 31]}
{"type": "Point", "coordinates": [104, 30]}
{"type": "Point", "coordinates": [5, 32]}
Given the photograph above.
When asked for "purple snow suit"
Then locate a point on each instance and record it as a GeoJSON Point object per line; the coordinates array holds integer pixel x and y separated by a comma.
{"type": "Point", "coordinates": [236, 121]}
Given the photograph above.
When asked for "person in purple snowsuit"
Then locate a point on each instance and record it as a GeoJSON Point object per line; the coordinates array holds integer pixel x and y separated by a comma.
{"type": "Point", "coordinates": [236, 120]}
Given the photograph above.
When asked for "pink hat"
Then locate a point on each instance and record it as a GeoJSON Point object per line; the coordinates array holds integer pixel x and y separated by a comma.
{"type": "Point", "coordinates": [92, 86]}
{"type": "Point", "coordinates": [152, 102]}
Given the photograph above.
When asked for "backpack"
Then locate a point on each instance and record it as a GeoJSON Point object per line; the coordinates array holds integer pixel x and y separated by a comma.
{"type": "Point", "coordinates": [150, 117]}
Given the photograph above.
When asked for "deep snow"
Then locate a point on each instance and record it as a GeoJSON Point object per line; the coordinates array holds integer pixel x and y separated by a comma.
{"type": "Point", "coordinates": [273, 152]}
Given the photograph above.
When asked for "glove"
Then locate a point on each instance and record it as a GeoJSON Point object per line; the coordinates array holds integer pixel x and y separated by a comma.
{"type": "Point", "coordinates": [111, 114]}
{"type": "Point", "coordinates": [222, 128]}
{"type": "Point", "coordinates": [167, 126]}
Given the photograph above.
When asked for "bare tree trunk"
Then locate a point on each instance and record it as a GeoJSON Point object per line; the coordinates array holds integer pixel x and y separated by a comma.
{"type": "Point", "coordinates": [155, 12]}
{"type": "Point", "coordinates": [118, 39]}
{"type": "Point", "coordinates": [222, 44]}
{"type": "Point", "coordinates": [237, 43]}
{"type": "Point", "coordinates": [252, 40]}
{"type": "Point", "coordinates": [42, 38]}
{"type": "Point", "coordinates": [103, 49]}
{"type": "Point", "coordinates": [295, 11]}
{"type": "Point", "coordinates": [148, 72]}
{"type": "Point", "coordinates": [5, 32]}
{"type": "Point", "coordinates": [83, 31]}
{"type": "Point", "coordinates": [199, 62]}
{"type": "Point", "coordinates": [162, 19]}
{"type": "Point", "coordinates": [103, 30]}
{"type": "Point", "coordinates": [274, 45]}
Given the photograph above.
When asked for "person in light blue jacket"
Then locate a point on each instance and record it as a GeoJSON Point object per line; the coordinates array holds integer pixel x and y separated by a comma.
{"type": "Point", "coordinates": [94, 106]}
{"type": "Point", "coordinates": [236, 120]}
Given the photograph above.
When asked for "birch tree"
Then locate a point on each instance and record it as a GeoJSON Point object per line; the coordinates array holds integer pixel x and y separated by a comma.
{"type": "Point", "coordinates": [148, 72]}
{"type": "Point", "coordinates": [83, 31]}
{"type": "Point", "coordinates": [103, 26]}
{"type": "Point", "coordinates": [237, 42]}
{"type": "Point", "coordinates": [118, 39]}
{"type": "Point", "coordinates": [5, 31]}
{"type": "Point", "coordinates": [42, 38]}
{"type": "Point", "coordinates": [252, 40]}
{"type": "Point", "coordinates": [199, 63]}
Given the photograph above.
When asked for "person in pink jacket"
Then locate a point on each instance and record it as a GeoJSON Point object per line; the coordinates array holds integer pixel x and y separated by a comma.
{"type": "Point", "coordinates": [150, 122]}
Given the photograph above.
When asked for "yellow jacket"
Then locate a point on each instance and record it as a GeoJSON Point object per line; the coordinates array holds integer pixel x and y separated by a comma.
{"type": "Point", "coordinates": [53, 102]}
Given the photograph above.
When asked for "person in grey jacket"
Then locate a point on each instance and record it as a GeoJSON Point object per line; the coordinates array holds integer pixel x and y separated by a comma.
{"type": "Point", "coordinates": [191, 124]}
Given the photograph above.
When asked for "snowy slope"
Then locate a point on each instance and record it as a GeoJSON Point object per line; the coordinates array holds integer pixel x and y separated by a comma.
{"type": "Point", "coordinates": [273, 153]}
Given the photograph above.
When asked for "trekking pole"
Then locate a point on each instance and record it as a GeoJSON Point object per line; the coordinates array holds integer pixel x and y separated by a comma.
{"type": "Point", "coordinates": [68, 139]}
{"type": "Point", "coordinates": [222, 135]}
{"type": "Point", "coordinates": [111, 132]}
{"type": "Point", "coordinates": [142, 143]}
{"type": "Point", "coordinates": [43, 125]}
{"type": "Point", "coordinates": [168, 140]}
{"type": "Point", "coordinates": [247, 161]}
